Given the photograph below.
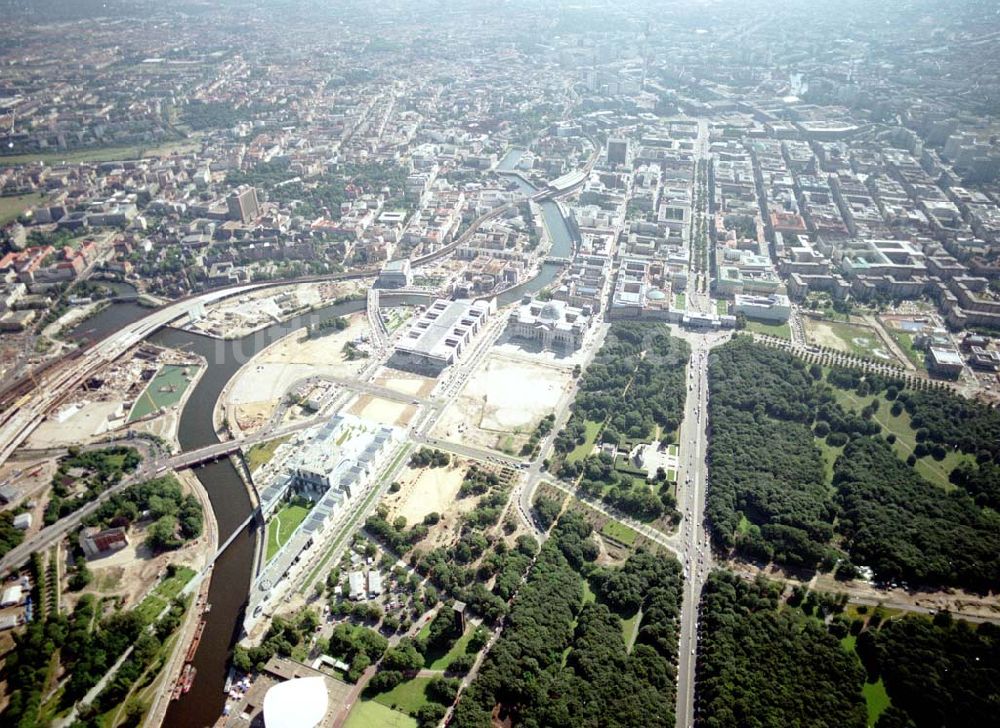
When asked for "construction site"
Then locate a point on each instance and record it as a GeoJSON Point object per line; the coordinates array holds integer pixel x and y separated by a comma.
{"type": "Point", "coordinates": [239, 316]}
{"type": "Point", "coordinates": [141, 391]}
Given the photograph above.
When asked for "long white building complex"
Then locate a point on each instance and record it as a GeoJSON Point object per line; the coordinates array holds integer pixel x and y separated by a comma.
{"type": "Point", "coordinates": [438, 337]}
{"type": "Point", "coordinates": [331, 465]}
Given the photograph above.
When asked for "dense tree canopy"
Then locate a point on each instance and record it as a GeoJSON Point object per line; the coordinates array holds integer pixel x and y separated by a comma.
{"type": "Point", "coordinates": [635, 382]}
{"type": "Point", "coordinates": [761, 666]}
{"type": "Point", "coordinates": [768, 493]}
{"type": "Point", "coordinates": [939, 673]}
{"type": "Point", "coordinates": [956, 421]}
{"type": "Point", "coordinates": [600, 683]}
{"type": "Point", "coordinates": [764, 469]}
{"type": "Point", "coordinates": [902, 526]}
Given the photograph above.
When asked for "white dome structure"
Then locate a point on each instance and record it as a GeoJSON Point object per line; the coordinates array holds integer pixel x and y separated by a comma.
{"type": "Point", "coordinates": [299, 703]}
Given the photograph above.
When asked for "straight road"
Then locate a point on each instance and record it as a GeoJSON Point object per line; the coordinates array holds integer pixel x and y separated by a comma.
{"type": "Point", "coordinates": [696, 552]}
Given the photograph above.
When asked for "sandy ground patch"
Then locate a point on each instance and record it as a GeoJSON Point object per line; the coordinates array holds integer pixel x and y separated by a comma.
{"type": "Point", "coordinates": [385, 411]}
{"type": "Point", "coordinates": [404, 382]}
{"type": "Point", "coordinates": [296, 357]}
{"type": "Point", "coordinates": [252, 415]}
{"type": "Point", "coordinates": [429, 490]}
{"type": "Point", "coordinates": [503, 402]}
{"type": "Point", "coordinates": [822, 335]}
{"type": "Point", "coordinates": [90, 419]}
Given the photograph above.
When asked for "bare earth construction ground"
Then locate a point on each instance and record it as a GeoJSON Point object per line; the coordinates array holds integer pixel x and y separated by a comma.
{"type": "Point", "coordinates": [258, 388]}
{"type": "Point", "coordinates": [384, 411]}
{"type": "Point", "coordinates": [503, 402]}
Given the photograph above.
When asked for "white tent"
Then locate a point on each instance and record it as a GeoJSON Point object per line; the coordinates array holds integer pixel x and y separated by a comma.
{"type": "Point", "coordinates": [299, 703]}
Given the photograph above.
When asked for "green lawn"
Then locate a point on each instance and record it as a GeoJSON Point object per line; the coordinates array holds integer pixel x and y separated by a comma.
{"type": "Point", "coordinates": [680, 300]}
{"type": "Point", "coordinates": [722, 307]}
{"type": "Point", "coordinates": [582, 451]}
{"type": "Point", "coordinates": [281, 527]}
{"type": "Point", "coordinates": [407, 697]}
{"type": "Point", "coordinates": [858, 340]}
{"type": "Point", "coordinates": [782, 331]}
{"type": "Point", "coordinates": [458, 648]}
{"type": "Point", "coordinates": [369, 714]}
{"type": "Point", "coordinates": [588, 593]}
{"type": "Point", "coordinates": [261, 453]}
{"type": "Point", "coordinates": [932, 470]}
{"type": "Point", "coordinates": [830, 455]}
{"type": "Point", "coordinates": [165, 390]}
{"type": "Point", "coordinates": [150, 607]}
{"type": "Point", "coordinates": [629, 626]}
{"type": "Point", "coordinates": [11, 207]}
{"type": "Point", "coordinates": [619, 532]}
{"type": "Point", "coordinates": [877, 699]}
{"type": "Point", "coordinates": [905, 342]}
{"type": "Point", "coordinates": [171, 587]}
{"type": "Point", "coordinates": [102, 154]}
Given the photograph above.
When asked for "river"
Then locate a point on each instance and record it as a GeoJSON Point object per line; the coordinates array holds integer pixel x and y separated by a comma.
{"type": "Point", "coordinates": [230, 503]}
{"type": "Point", "coordinates": [556, 225]}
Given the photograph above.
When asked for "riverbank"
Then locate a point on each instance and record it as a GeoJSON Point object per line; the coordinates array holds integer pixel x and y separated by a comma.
{"type": "Point", "coordinates": [171, 671]}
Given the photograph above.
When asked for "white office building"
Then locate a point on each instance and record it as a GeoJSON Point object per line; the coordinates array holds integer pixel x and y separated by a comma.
{"type": "Point", "coordinates": [439, 336]}
{"type": "Point", "coordinates": [775, 307]}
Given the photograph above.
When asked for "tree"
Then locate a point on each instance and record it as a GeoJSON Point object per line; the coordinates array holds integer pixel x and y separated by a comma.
{"type": "Point", "coordinates": [430, 715]}
{"type": "Point", "coordinates": [385, 680]}
{"type": "Point", "coordinates": [443, 690]}
{"type": "Point", "coordinates": [546, 510]}
{"type": "Point", "coordinates": [403, 657]}
{"type": "Point", "coordinates": [161, 535]}
{"type": "Point", "coordinates": [81, 576]}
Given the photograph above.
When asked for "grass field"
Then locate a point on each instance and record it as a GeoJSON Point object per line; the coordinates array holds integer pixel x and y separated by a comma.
{"type": "Point", "coordinates": [680, 300]}
{"type": "Point", "coordinates": [165, 390]}
{"type": "Point", "coordinates": [722, 307]}
{"type": "Point", "coordinates": [103, 154]}
{"type": "Point", "coordinates": [619, 532]}
{"type": "Point", "coordinates": [582, 451]}
{"type": "Point", "coordinates": [782, 331]}
{"type": "Point", "coordinates": [281, 527]}
{"type": "Point", "coordinates": [905, 342]}
{"type": "Point", "coordinates": [830, 455]}
{"type": "Point", "coordinates": [441, 662]}
{"type": "Point", "coordinates": [629, 627]}
{"type": "Point", "coordinates": [588, 593]}
{"type": "Point", "coordinates": [11, 207]}
{"type": "Point", "coordinates": [407, 697]}
{"type": "Point", "coordinates": [932, 470]}
{"type": "Point", "coordinates": [369, 714]}
{"type": "Point", "coordinates": [150, 607]}
{"type": "Point", "coordinates": [877, 700]}
{"type": "Point", "coordinates": [849, 338]}
{"type": "Point", "coordinates": [261, 453]}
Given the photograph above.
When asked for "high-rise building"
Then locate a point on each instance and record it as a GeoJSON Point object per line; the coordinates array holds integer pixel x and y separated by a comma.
{"type": "Point", "coordinates": [617, 152]}
{"type": "Point", "coordinates": [243, 204]}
